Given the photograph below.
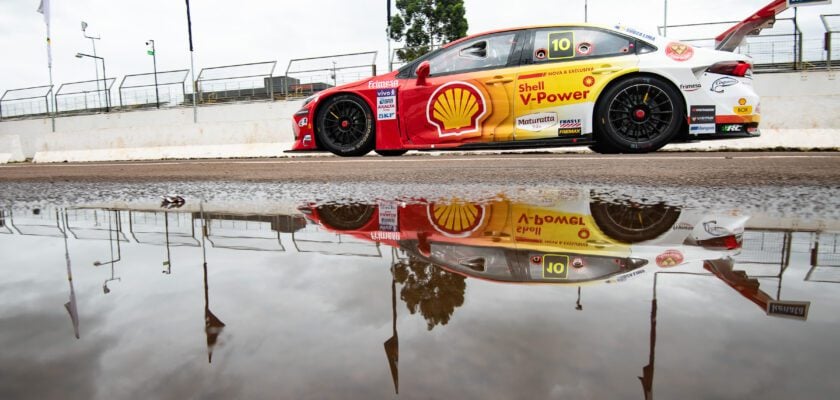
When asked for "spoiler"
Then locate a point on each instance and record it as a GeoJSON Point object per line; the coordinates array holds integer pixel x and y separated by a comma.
{"type": "Point", "coordinates": [763, 18]}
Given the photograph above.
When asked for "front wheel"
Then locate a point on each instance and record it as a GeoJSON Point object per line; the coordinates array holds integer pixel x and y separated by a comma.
{"type": "Point", "coordinates": [344, 126]}
{"type": "Point", "coordinates": [638, 115]}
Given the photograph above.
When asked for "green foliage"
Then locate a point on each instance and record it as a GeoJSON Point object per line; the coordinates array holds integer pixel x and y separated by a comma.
{"type": "Point", "coordinates": [423, 24]}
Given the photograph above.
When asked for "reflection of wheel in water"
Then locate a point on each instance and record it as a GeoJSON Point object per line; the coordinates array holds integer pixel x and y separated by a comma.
{"type": "Point", "coordinates": [345, 216]}
{"type": "Point", "coordinates": [457, 218]}
{"type": "Point", "coordinates": [633, 223]}
{"type": "Point", "coordinates": [344, 126]}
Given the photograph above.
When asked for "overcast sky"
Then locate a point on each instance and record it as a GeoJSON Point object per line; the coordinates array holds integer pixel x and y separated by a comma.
{"type": "Point", "coordinates": [235, 32]}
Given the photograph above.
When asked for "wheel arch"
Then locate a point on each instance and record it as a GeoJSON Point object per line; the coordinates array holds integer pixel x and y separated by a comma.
{"type": "Point", "coordinates": [637, 74]}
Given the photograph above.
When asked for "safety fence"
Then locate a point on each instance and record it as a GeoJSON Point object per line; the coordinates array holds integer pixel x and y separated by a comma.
{"type": "Point", "coordinates": [33, 101]}
{"type": "Point", "coordinates": [305, 76]}
{"type": "Point", "coordinates": [161, 89]}
{"type": "Point", "coordinates": [777, 48]}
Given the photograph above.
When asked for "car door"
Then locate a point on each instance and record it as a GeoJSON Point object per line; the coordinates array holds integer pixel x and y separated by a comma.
{"type": "Point", "coordinates": [563, 71]}
{"type": "Point", "coordinates": [467, 96]}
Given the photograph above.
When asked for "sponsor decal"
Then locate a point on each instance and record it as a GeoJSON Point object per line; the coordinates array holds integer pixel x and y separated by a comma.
{"type": "Point", "coordinates": [386, 104]}
{"type": "Point", "coordinates": [743, 110]}
{"type": "Point", "coordinates": [536, 122]}
{"type": "Point", "coordinates": [380, 235]}
{"type": "Point", "coordinates": [536, 93]}
{"type": "Point", "coordinates": [565, 71]}
{"type": "Point", "coordinates": [720, 83]}
{"type": "Point", "coordinates": [555, 266]}
{"type": "Point", "coordinates": [679, 51]}
{"type": "Point", "coordinates": [456, 108]}
{"type": "Point", "coordinates": [625, 277]}
{"type": "Point", "coordinates": [732, 128]}
{"type": "Point", "coordinates": [389, 216]}
{"type": "Point", "coordinates": [584, 233]}
{"type": "Point", "coordinates": [584, 48]}
{"type": "Point", "coordinates": [788, 309]}
{"type": "Point", "coordinates": [303, 122]}
{"type": "Point", "coordinates": [383, 84]}
{"type": "Point", "coordinates": [697, 129]}
{"type": "Point", "coordinates": [702, 115]}
{"type": "Point", "coordinates": [569, 127]}
{"type": "Point", "coordinates": [541, 54]}
{"type": "Point", "coordinates": [713, 229]}
{"type": "Point", "coordinates": [670, 258]}
{"type": "Point", "coordinates": [742, 101]}
{"type": "Point", "coordinates": [690, 87]}
{"type": "Point", "coordinates": [635, 32]}
{"type": "Point", "coordinates": [455, 219]}
{"type": "Point", "coordinates": [589, 81]}
{"type": "Point", "coordinates": [683, 226]}
{"type": "Point", "coordinates": [560, 45]}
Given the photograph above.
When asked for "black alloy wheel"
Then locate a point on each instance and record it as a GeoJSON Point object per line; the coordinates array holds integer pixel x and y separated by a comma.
{"type": "Point", "coordinates": [638, 115]}
{"type": "Point", "coordinates": [345, 216]}
{"type": "Point", "coordinates": [633, 223]}
{"type": "Point", "coordinates": [345, 126]}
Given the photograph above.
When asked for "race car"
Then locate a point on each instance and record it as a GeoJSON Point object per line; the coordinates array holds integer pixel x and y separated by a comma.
{"type": "Point", "coordinates": [574, 241]}
{"type": "Point", "coordinates": [613, 88]}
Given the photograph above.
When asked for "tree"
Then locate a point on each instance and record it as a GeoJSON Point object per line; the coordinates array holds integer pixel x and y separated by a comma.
{"type": "Point", "coordinates": [420, 24]}
{"type": "Point", "coordinates": [431, 290]}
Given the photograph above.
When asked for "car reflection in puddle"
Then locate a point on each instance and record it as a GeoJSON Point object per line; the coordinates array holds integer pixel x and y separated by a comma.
{"type": "Point", "coordinates": [436, 248]}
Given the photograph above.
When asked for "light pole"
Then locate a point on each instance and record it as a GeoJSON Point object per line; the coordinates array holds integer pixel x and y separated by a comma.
{"type": "Point", "coordinates": [92, 43]}
{"type": "Point", "coordinates": [104, 80]}
{"type": "Point", "coordinates": [154, 65]}
{"type": "Point", "coordinates": [585, 10]}
{"type": "Point", "coordinates": [665, 20]}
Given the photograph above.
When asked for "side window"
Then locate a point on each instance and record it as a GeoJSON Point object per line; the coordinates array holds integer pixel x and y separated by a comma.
{"type": "Point", "coordinates": [481, 53]}
{"type": "Point", "coordinates": [558, 44]}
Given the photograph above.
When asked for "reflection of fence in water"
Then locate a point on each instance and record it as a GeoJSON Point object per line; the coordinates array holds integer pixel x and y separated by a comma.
{"type": "Point", "coordinates": [36, 222]}
{"type": "Point", "coordinates": [94, 224]}
{"type": "Point", "coordinates": [764, 253]}
{"type": "Point", "coordinates": [313, 239]}
{"type": "Point", "coordinates": [825, 258]}
{"type": "Point", "coordinates": [162, 227]}
{"type": "Point", "coordinates": [5, 228]}
{"type": "Point", "coordinates": [240, 232]}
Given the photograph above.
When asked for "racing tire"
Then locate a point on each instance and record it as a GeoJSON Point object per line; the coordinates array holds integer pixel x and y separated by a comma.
{"type": "Point", "coordinates": [345, 217]}
{"type": "Point", "coordinates": [344, 126]}
{"type": "Point", "coordinates": [630, 223]}
{"type": "Point", "coordinates": [638, 115]}
{"type": "Point", "coordinates": [391, 153]}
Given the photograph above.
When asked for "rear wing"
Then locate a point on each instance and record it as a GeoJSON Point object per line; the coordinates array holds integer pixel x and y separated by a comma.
{"type": "Point", "coordinates": [763, 18]}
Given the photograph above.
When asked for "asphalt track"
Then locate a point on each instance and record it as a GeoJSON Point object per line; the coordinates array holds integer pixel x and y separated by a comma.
{"type": "Point", "coordinates": [670, 169]}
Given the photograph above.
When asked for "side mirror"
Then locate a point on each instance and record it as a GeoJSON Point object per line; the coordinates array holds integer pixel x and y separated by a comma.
{"type": "Point", "coordinates": [423, 72]}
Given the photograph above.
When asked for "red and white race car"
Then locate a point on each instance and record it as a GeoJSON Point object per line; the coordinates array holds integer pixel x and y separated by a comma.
{"type": "Point", "coordinates": [613, 88]}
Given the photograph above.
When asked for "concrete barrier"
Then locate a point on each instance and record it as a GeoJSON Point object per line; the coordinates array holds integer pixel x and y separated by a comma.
{"type": "Point", "coordinates": [798, 111]}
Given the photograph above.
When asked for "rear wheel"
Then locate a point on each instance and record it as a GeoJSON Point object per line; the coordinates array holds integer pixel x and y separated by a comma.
{"type": "Point", "coordinates": [638, 115]}
{"type": "Point", "coordinates": [391, 153]}
{"type": "Point", "coordinates": [345, 126]}
{"type": "Point", "coordinates": [345, 216]}
{"type": "Point", "coordinates": [634, 223]}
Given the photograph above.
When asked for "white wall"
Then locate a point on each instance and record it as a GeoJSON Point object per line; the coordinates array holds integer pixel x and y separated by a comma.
{"type": "Point", "coordinates": [798, 110]}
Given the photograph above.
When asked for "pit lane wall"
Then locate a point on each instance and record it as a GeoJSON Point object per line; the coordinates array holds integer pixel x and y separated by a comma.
{"type": "Point", "coordinates": [798, 112]}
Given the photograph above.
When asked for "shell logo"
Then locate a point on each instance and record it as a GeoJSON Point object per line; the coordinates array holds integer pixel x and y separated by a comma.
{"type": "Point", "coordinates": [456, 108]}
{"type": "Point", "coordinates": [457, 218]}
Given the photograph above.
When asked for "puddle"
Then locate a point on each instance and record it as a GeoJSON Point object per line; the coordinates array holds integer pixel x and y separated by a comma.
{"type": "Point", "coordinates": [511, 293]}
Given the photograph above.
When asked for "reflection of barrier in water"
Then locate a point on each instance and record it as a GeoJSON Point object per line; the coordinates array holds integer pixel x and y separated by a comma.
{"type": "Point", "coordinates": [312, 239]}
{"type": "Point", "coordinates": [246, 232]}
{"type": "Point", "coordinates": [162, 228]}
{"type": "Point", "coordinates": [825, 258]}
{"type": "Point", "coordinates": [90, 224]}
{"type": "Point", "coordinates": [35, 222]}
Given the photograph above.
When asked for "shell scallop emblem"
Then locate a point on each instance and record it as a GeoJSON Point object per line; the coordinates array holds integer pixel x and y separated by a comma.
{"type": "Point", "coordinates": [456, 108]}
{"type": "Point", "coordinates": [456, 218]}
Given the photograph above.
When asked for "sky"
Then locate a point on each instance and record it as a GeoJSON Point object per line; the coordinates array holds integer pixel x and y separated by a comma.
{"type": "Point", "coordinates": [226, 32]}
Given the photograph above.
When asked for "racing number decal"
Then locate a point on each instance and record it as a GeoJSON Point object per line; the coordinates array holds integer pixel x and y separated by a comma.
{"type": "Point", "coordinates": [560, 45]}
{"type": "Point", "coordinates": [555, 266]}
